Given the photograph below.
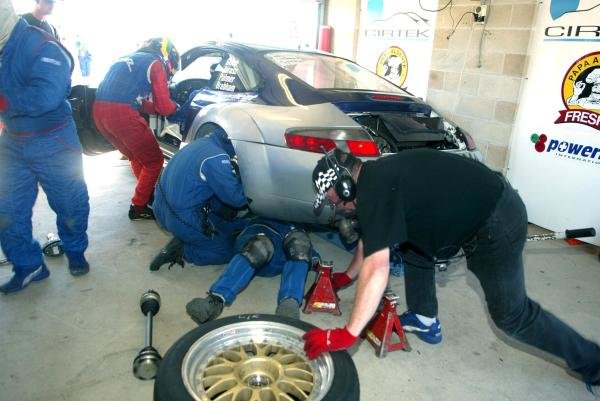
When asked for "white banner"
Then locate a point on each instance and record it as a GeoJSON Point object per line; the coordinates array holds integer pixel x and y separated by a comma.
{"type": "Point", "coordinates": [555, 156]}
{"type": "Point", "coordinates": [396, 41]}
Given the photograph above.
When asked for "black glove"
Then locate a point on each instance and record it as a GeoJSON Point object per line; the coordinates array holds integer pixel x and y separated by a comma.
{"type": "Point", "coordinates": [235, 169]}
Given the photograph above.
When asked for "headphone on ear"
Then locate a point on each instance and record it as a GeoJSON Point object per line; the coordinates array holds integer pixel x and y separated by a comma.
{"type": "Point", "coordinates": [345, 187]}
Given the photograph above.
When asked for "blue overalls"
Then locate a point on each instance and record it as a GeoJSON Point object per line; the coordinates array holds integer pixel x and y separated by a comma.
{"type": "Point", "coordinates": [239, 272]}
{"type": "Point", "coordinates": [197, 181]}
{"type": "Point", "coordinates": [38, 145]}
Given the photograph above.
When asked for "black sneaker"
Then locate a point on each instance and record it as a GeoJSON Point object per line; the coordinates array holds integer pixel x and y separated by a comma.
{"type": "Point", "coordinates": [140, 213]}
{"type": "Point", "coordinates": [201, 310]}
{"type": "Point", "coordinates": [172, 253]}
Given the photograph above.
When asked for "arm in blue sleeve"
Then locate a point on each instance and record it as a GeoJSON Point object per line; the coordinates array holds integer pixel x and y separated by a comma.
{"type": "Point", "coordinates": [226, 186]}
{"type": "Point", "coordinates": [47, 85]}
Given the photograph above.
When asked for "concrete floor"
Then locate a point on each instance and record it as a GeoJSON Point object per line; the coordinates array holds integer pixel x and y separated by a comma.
{"type": "Point", "coordinates": [74, 339]}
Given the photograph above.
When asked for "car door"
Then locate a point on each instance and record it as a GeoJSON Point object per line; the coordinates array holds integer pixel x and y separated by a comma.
{"type": "Point", "coordinates": [81, 99]}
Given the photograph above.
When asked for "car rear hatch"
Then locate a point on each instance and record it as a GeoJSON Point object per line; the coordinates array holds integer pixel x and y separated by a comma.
{"type": "Point", "coordinates": [397, 122]}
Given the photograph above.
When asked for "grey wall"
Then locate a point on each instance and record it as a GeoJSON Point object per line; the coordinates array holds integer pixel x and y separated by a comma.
{"type": "Point", "coordinates": [480, 91]}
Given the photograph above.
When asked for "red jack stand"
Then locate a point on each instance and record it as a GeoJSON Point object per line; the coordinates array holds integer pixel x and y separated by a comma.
{"type": "Point", "coordinates": [384, 324]}
{"type": "Point", "coordinates": [321, 297]}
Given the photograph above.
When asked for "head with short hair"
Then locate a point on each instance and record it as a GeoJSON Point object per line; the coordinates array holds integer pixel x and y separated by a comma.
{"type": "Point", "coordinates": [43, 8]}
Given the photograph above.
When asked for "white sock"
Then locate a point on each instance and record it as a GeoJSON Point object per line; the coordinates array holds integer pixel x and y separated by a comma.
{"type": "Point", "coordinates": [427, 321]}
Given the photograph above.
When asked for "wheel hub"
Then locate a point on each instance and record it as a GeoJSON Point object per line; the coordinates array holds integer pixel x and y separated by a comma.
{"type": "Point", "coordinates": [259, 372]}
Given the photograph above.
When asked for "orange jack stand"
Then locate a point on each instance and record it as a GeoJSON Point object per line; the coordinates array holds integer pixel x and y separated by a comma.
{"type": "Point", "coordinates": [379, 332]}
{"type": "Point", "coordinates": [321, 297]}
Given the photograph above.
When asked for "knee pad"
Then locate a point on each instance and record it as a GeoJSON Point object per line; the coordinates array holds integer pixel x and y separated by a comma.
{"type": "Point", "coordinates": [258, 250]}
{"type": "Point", "coordinates": [297, 246]}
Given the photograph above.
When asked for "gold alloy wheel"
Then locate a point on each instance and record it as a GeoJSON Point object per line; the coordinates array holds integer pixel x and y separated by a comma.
{"type": "Point", "coordinates": [255, 361]}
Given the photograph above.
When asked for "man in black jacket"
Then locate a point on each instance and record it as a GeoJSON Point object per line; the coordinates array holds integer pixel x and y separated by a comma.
{"type": "Point", "coordinates": [472, 205]}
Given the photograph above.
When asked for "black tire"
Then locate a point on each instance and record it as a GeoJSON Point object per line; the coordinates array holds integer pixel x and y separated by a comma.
{"type": "Point", "coordinates": [169, 385]}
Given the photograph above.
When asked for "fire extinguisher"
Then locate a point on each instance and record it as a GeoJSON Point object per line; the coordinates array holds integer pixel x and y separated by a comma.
{"type": "Point", "coordinates": [325, 32]}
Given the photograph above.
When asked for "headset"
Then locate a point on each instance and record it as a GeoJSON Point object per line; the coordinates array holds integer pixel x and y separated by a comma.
{"type": "Point", "coordinates": [345, 187]}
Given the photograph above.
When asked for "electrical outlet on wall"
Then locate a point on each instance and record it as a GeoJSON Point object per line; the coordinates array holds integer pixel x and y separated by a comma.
{"type": "Point", "coordinates": [481, 13]}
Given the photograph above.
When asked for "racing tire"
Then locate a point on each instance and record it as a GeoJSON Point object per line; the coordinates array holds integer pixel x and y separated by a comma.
{"type": "Point", "coordinates": [253, 357]}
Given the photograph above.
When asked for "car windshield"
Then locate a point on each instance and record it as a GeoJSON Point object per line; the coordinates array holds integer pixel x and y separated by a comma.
{"type": "Point", "coordinates": [328, 72]}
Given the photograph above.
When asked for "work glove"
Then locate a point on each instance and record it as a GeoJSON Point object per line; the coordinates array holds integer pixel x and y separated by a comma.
{"type": "Point", "coordinates": [318, 341]}
{"type": "Point", "coordinates": [147, 107]}
{"type": "Point", "coordinates": [3, 104]}
{"type": "Point", "coordinates": [340, 280]}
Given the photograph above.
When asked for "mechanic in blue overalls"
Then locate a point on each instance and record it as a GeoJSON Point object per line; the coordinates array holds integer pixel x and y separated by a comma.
{"type": "Point", "coordinates": [197, 198]}
{"type": "Point", "coordinates": [264, 248]}
{"type": "Point", "coordinates": [38, 145]}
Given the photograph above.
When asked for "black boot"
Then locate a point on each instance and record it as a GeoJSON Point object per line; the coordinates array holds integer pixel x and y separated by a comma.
{"type": "Point", "coordinates": [140, 213]}
{"type": "Point", "coordinates": [202, 310]}
{"type": "Point", "coordinates": [172, 253]}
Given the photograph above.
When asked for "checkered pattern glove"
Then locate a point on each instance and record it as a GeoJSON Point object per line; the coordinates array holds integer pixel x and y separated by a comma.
{"type": "Point", "coordinates": [340, 280]}
{"type": "Point", "coordinates": [318, 341]}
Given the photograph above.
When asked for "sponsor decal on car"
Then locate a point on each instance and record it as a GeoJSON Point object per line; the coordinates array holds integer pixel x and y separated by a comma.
{"type": "Point", "coordinates": [393, 65]}
{"type": "Point", "coordinates": [570, 150]}
{"type": "Point", "coordinates": [581, 92]}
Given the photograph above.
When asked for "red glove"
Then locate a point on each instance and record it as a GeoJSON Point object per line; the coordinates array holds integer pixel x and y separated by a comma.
{"type": "Point", "coordinates": [3, 104]}
{"type": "Point", "coordinates": [318, 341]}
{"type": "Point", "coordinates": [147, 107]}
{"type": "Point", "coordinates": [340, 280]}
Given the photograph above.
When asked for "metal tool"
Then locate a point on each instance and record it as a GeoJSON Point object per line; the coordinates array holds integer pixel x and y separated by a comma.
{"type": "Point", "coordinates": [53, 247]}
{"type": "Point", "coordinates": [146, 363]}
{"type": "Point", "coordinates": [567, 234]}
{"type": "Point", "coordinates": [384, 325]}
{"type": "Point", "coordinates": [321, 297]}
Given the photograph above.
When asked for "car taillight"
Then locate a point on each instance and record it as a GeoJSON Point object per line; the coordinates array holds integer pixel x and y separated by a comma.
{"type": "Point", "coordinates": [309, 143]}
{"type": "Point", "coordinates": [393, 98]}
{"type": "Point", "coordinates": [306, 142]}
{"type": "Point", "coordinates": [363, 148]}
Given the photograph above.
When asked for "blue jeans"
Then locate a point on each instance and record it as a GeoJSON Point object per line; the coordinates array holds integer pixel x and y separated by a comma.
{"type": "Point", "coordinates": [239, 272]}
{"type": "Point", "coordinates": [497, 262]}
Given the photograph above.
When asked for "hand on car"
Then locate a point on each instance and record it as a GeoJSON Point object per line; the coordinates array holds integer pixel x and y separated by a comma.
{"type": "Point", "coordinates": [340, 280]}
{"type": "Point", "coordinates": [318, 341]}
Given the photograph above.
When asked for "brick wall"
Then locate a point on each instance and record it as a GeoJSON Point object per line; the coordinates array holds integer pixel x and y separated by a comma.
{"type": "Point", "coordinates": [481, 92]}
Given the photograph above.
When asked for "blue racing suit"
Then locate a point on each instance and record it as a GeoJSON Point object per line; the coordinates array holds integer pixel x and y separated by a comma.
{"type": "Point", "coordinates": [196, 184]}
{"type": "Point", "coordinates": [239, 272]}
{"type": "Point", "coordinates": [38, 145]}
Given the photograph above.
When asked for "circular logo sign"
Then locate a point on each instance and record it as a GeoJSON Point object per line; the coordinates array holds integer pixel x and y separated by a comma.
{"type": "Point", "coordinates": [393, 65]}
{"type": "Point", "coordinates": [581, 84]}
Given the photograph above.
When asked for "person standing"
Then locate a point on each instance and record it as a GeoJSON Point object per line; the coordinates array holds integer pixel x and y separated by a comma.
{"type": "Point", "coordinates": [197, 199]}
{"type": "Point", "coordinates": [138, 83]}
{"type": "Point", "coordinates": [475, 209]}
{"type": "Point", "coordinates": [37, 17]}
{"type": "Point", "coordinates": [38, 145]}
